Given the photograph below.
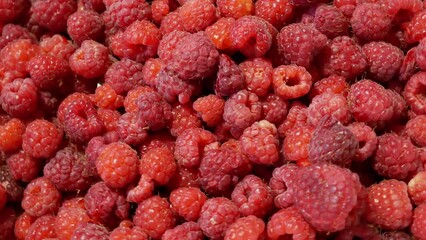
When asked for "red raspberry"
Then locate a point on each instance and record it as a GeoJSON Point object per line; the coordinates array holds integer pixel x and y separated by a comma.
{"type": "Point", "coordinates": [13, 189]}
{"type": "Point", "coordinates": [220, 33]}
{"type": "Point", "coordinates": [419, 220]}
{"type": "Point", "coordinates": [124, 75]}
{"type": "Point", "coordinates": [291, 81]}
{"type": "Point", "coordinates": [172, 22]}
{"type": "Point", "coordinates": [41, 139]}
{"type": "Point", "coordinates": [84, 25]}
{"type": "Point", "coordinates": [3, 197]}
{"type": "Point", "coordinates": [183, 118]}
{"type": "Point", "coordinates": [159, 164]}
{"type": "Point", "coordinates": [11, 9]}
{"type": "Point", "coordinates": [130, 101]}
{"type": "Point", "coordinates": [16, 55]}
{"type": "Point", "coordinates": [370, 21]}
{"type": "Point", "coordinates": [48, 71]}
{"type": "Point", "coordinates": [23, 167]}
{"type": "Point", "coordinates": [299, 43]}
{"type": "Point", "coordinates": [142, 191]}
{"type": "Point", "coordinates": [70, 215]}
{"type": "Point", "coordinates": [187, 202]}
{"type": "Point", "coordinates": [388, 205]}
{"type": "Point", "coordinates": [154, 216]}
{"type": "Point", "coordinates": [117, 164]}
{"type": "Point", "coordinates": [94, 5]}
{"type": "Point", "coordinates": [107, 98]}
{"type": "Point", "coordinates": [7, 222]}
{"type": "Point", "coordinates": [53, 14]}
{"type": "Point", "coordinates": [274, 108]}
{"type": "Point", "coordinates": [150, 71]}
{"type": "Point", "coordinates": [230, 78]}
{"type": "Point", "coordinates": [414, 129]}
{"type": "Point", "coordinates": [253, 197]}
{"type": "Point", "coordinates": [184, 177]}
{"type": "Point", "coordinates": [196, 15]}
{"type": "Point", "coordinates": [210, 108]}
{"type": "Point", "coordinates": [22, 224]}
{"type": "Point", "coordinates": [417, 188]}
{"type": "Point", "coordinates": [187, 230]}
{"type": "Point", "coordinates": [296, 143]}
{"type": "Point", "coordinates": [91, 60]}
{"type": "Point", "coordinates": [396, 157]}
{"type": "Point", "coordinates": [159, 139]}
{"type": "Point", "coordinates": [328, 104]}
{"type": "Point", "coordinates": [276, 12]}
{"type": "Point", "coordinates": [413, 93]}
{"type": "Point", "coordinates": [57, 45]}
{"type": "Point", "coordinates": [367, 140]}
{"type": "Point", "coordinates": [344, 57]}
{"type": "Point", "coordinates": [384, 60]}
{"type": "Point", "coordinates": [415, 29]}
{"type": "Point", "coordinates": [297, 116]}
{"type": "Point", "coordinates": [12, 32]}
{"type": "Point", "coordinates": [154, 110]}
{"type": "Point", "coordinates": [250, 228]}
{"type": "Point", "coordinates": [289, 222]}
{"type": "Point", "coordinates": [90, 231]}
{"type": "Point", "coordinates": [42, 228]}
{"type": "Point", "coordinates": [160, 9]}
{"type": "Point", "coordinates": [11, 134]}
{"type": "Point", "coordinates": [168, 44]}
{"type": "Point", "coordinates": [420, 54]}
{"type": "Point", "coordinates": [131, 129]}
{"type": "Point", "coordinates": [217, 214]}
{"type": "Point", "coordinates": [330, 21]}
{"type": "Point", "coordinates": [235, 9]}
{"type": "Point", "coordinates": [258, 75]}
{"type": "Point", "coordinates": [41, 197]}
{"type": "Point", "coordinates": [126, 231]}
{"type": "Point", "coordinates": [19, 98]}
{"type": "Point", "coordinates": [172, 88]}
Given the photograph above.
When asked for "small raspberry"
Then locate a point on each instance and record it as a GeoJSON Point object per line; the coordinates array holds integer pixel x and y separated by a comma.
{"type": "Point", "coordinates": [296, 143]}
{"type": "Point", "coordinates": [230, 78]}
{"type": "Point", "coordinates": [419, 220]}
{"type": "Point", "coordinates": [217, 214]}
{"type": "Point", "coordinates": [84, 25]}
{"type": "Point", "coordinates": [220, 33]}
{"type": "Point", "coordinates": [90, 231]}
{"type": "Point", "coordinates": [183, 118]}
{"type": "Point", "coordinates": [160, 9]}
{"type": "Point", "coordinates": [159, 164]}
{"type": "Point", "coordinates": [172, 88]}
{"type": "Point", "coordinates": [187, 230]}
{"type": "Point", "coordinates": [413, 93]}
{"type": "Point", "coordinates": [329, 104]}
{"type": "Point", "coordinates": [388, 205]}
{"type": "Point", "coordinates": [131, 129]}
{"type": "Point", "coordinates": [48, 72]}
{"type": "Point", "coordinates": [187, 202]}
{"type": "Point", "coordinates": [367, 140]}
{"type": "Point", "coordinates": [130, 101]}
{"type": "Point", "coordinates": [41, 197]}
{"type": "Point", "coordinates": [417, 188]}
{"type": "Point", "coordinates": [107, 98]}
{"type": "Point", "coordinates": [91, 60]}
{"type": "Point", "coordinates": [53, 14]}
{"type": "Point", "coordinates": [124, 75]}
{"type": "Point", "coordinates": [415, 29]}
{"type": "Point", "coordinates": [414, 129]}
{"type": "Point", "coordinates": [210, 108]}
{"type": "Point", "coordinates": [41, 138]}
{"type": "Point", "coordinates": [42, 228]}
{"type": "Point", "coordinates": [154, 216]}
{"type": "Point", "coordinates": [117, 164]}
{"type": "Point", "coordinates": [57, 45]}
{"type": "Point", "coordinates": [297, 116]}
{"type": "Point", "coordinates": [11, 134]}
{"type": "Point", "coordinates": [19, 98]}
{"type": "Point", "coordinates": [370, 21]}
{"type": "Point", "coordinates": [276, 12]}
{"type": "Point", "coordinates": [142, 191]}
{"type": "Point", "coordinates": [16, 55]}
{"type": "Point", "coordinates": [12, 9]}
{"type": "Point", "coordinates": [250, 228]}
{"type": "Point", "coordinates": [22, 224]}
{"type": "Point", "coordinates": [23, 167]}
{"type": "Point", "coordinates": [291, 81]}
{"type": "Point", "coordinates": [126, 231]}
{"type": "Point", "coordinates": [150, 71]}
{"type": "Point", "coordinates": [196, 15]}
{"type": "Point", "coordinates": [154, 110]}
{"type": "Point", "coordinates": [274, 108]}
{"type": "Point", "coordinates": [70, 215]}
{"type": "Point", "coordinates": [13, 189]}
{"type": "Point", "coordinates": [258, 75]}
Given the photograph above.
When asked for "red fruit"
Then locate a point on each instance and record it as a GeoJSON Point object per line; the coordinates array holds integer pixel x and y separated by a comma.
{"type": "Point", "coordinates": [142, 191]}
{"type": "Point", "coordinates": [158, 164]}
{"type": "Point", "coordinates": [12, 9]}
{"type": "Point", "coordinates": [106, 97]}
{"type": "Point", "coordinates": [291, 81]}
{"type": "Point", "coordinates": [276, 12]}
{"type": "Point", "coordinates": [57, 45]}
{"type": "Point", "coordinates": [53, 14]}
{"type": "Point", "coordinates": [220, 33]}
{"type": "Point", "coordinates": [124, 75]}
{"type": "Point", "coordinates": [11, 134]}
{"type": "Point", "coordinates": [417, 188]}
{"type": "Point", "coordinates": [413, 93]}
{"type": "Point", "coordinates": [126, 231]}
{"type": "Point", "coordinates": [41, 139]}
{"type": "Point", "coordinates": [183, 118]}
{"type": "Point", "coordinates": [23, 167]}
{"type": "Point", "coordinates": [150, 71]}
{"type": "Point", "coordinates": [330, 21]}
{"type": "Point", "coordinates": [12, 32]}
{"type": "Point", "coordinates": [131, 129]}
{"type": "Point", "coordinates": [154, 110]}
{"type": "Point", "coordinates": [328, 104]}
{"type": "Point", "coordinates": [172, 88]}
{"type": "Point", "coordinates": [296, 143]}
{"type": "Point", "coordinates": [187, 202]}
{"type": "Point", "coordinates": [91, 60]}
{"type": "Point", "coordinates": [289, 222]}
{"type": "Point", "coordinates": [90, 231]}
{"type": "Point", "coordinates": [70, 215]}
{"type": "Point", "coordinates": [250, 228]}
{"type": "Point", "coordinates": [210, 109]}
{"type": "Point", "coordinates": [22, 224]}
{"type": "Point", "coordinates": [184, 177]}
{"type": "Point", "coordinates": [230, 78]}
{"type": "Point", "coordinates": [196, 15]}
{"type": "Point", "coordinates": [84, 25]}
{"type": "Point", "coordinates": [258, 75]}
{"type": "Point", "coordinates": [419, 220]}
{"type": "Point", "coordinates": [414, 129]}
{"type": "Point", "coordinates": [367, 140]}
{"type": "Point", "coordinates": [3, 196]}
{"type": "Point", "coordinates": [95, 5]}
{"type": "Point", "coordinates": [235, 9]}
{"type": "Point", "coordinates": [42, 228]}
{"type": "Point", "coordinates": [415, 29]}
{"type": "Point", "coordinates": [19, 98]}
{"type": "Point", "coordinates": [274, 109]}
{"type": "Point", "coordinates": [282, 178]}
{"type": "Point", "coordinates": [370, 21]}
{"type": "Point", "coordinates": [297, 115]}
{"type": "Point", "coordinates": [16, 55]}
{"type": "Point", "coordinates": [41, 197]}
{"type": "Point", "coordinates": [131, 99]}
{"type": "Point", "coordinates": [13, 190]}
{"type": "Point", "coordinates": [48, 72]}
{"type": "Point", "coordinates": [172, 22]}
{"type": "Point", "coordinates": [187, 230]}
{"type": "Point", "coordinates": [420, 52]}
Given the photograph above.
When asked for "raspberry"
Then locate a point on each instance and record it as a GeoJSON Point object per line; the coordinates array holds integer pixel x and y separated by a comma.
{"type": "Point", "coordinates": [53, 14]}
{"type": "Point", "coordinates": [90, 231]}
{"type": "Point", "coordinates": [41, 139]}
{"type": "Point", "coordinates": [187, 202]}
{"type": "Point", "coordinates": [124, 75]}
{"type": "Point", "coordinates": [291, 81]}
{"type": "Point", "coordinates": [183, 118]}
{"type": "Point", "coordinates": [330, 21]}
{"type": "Point", "coordinates": [367, 140]}
{"type": "Point", "coordinates": [414, 129]}
{"type": "Point", "coordinates": [413, 93]}
{"type": "Point", "coordinates": [154, 216]}
{"type": "Point", "coordinates": [296, 143]}
{"type": "Point", "coordinates": [7, 221]}
{"type": "Point", "coordinates": [85, 25]}
{"type": "Point", "coordinates": [172, 22]}
{"type": "Point", "coordinates": [258, 75]}
{"type": "Point", "coordinates": [297, 115]}
{"type": "Point", "coordinates": [91, 60]}
{"type": "Point", "coordinates": [417, 188]}
{"type": "Point", "coordinates": [69, 217]}
{"type": "Point", "coordinates": [117, 164]}
{"type": "Point", "coordinates": [190, 144]}
{"type": "Point", "coordinates": [105, 97]}
{"type": "Point", "coordinates": [184, 177]}
{"type": "Point", "coordinates": [230, 78]}
{"type": "Point", "coordinates": [41, 197]}
{"type": "Point", "coordinates": [3, 197]}
{"type": "Point", "coordinates": [154, 110]}
{"type": "Point", "coordinates": [187, 230]}
{"type": "Point", "coordinates": [235, 9]}
{"type": "Point", "coordinates": [289, 222]}
{"type": "Point", "coordinates": [13, 190]}
{"type": "Point", "coordinates": [419, 220]}
{"type": "Point", "coordinates": [172, 88]}
{"type": "Point", "coordinates": [252, 196]}
{"type": "Point", "coordinates": [142, 191]}
{"type": "Point", "coordinates": [276, 12]}
{"type": "Point", "coordinates": [42, 228]}
{"type": "Point", "coordinates": [12, 9]}
{"type": "Point", "coordinates": [369, 102]}
{"type": "Point", "coordinates": [48, 72]}
{"type": "Point", "coordinates": [94, 5]}
{"type": "Point", "coordinates": [57, 45]}
{"type": "Point", "coordinates": [19, 98]}
{"type": "Point", "coordinates": [210, 108]}
{"type": "Point", "coordinates": [384, 60]}
{"type": "Point", "coordinates": [370, 21]}
{"type": "Point", "coordinates": [420, 54]}
{"type": "Point", "coordinates": [250, 228]}
{"type": "Point", "coordinates": [343, 57]}
{"type": "Point", "coordinates": [396, 157]}
{"type": "Point", "coordinates": [130, 101]}
{"type": "Point", "coordinates": [22, 224]}
{"type": "Point", "coordinates": [415, 30]}
{"type": "Point", "coordinates": [196, 15]}
{"type": "Point", "coordinates": [12, 32]}
{"type": "Point", "coordinates": [274, 108]}
{"type": "Point", "coordinates": [11, 134]}
{"type": "Point", "coordinates": [16, 55]}
{"type": "Point", "coordinates": [150, 71]}
{"type": "Point", "coordinates": [131, 129]}
{"type": "Point", "coordinates": [159, 139]}
{"type": "Point", "coordinates": [388, 205]}
{"type": "Point", "coordinates": [159, 164]}
{"type": "Point", "coordinates": [299, 43]}
{"type": "Point", "coordinates": [328, 104]}
{"type": "Point", "coordinates": [217, 214]}
{"type": "Point", "coordinates": [23, 167]}
{"type": "Point", "coordinates": [160, 9]}
{"type": "Point", "coordinates": [125, 232]}
{"type": "Point", "coordinates": [220, 33]}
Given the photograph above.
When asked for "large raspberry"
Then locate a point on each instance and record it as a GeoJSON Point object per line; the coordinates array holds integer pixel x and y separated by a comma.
{"type": "Point", "coordinates": [48, 72]}
{"type": "Point", "coordinates": [91, 60]}
{"type": "Point", "coordinates": [53, 14]}
{"type": "Point", "coordinates": [131, 129]}
{"type": "Point", "coordinates": [370, 21]}
{"type": "Point", "coordinates": [415, 29]}
{"type": "Point", "coordinates": [330, 21]}
{"type": "Point", "coordinates": [196, 15]}
{"type": "Point", "coordinates": [15, 56]}
{"type": "Point", "coordinates": [41, 197]}
{"type": "Point", "coordinates": [70, 214]}
{"type": "Point", "coordinates": [328, 104]}
{"type": "Point", "coordinates": [249, 228]}
{"type": "Point", "coordinates": [41, 139]}
{"type": "Point", "coordinates": [124, 75]}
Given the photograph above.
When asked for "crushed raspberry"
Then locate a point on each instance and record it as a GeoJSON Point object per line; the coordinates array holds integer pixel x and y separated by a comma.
{"type": "Point", "coordinates": [53, 14]}
{"type": "Point", "coordinates": [42, 228]}
{"type": "Point", "coordinates": [220, 33]}
{"type": "Point", "coordinates": [196, 15]}
{"type": "Point", "coordinates": [154, 216]}
{"type": "Point", "coordinates": [297, 115]}
{"type": "Point", "coordinates": [187, 230]}
{"type": "Point", "coordinates": [154, 110]}
{"type": "Point", "coordinates": [230, 78]}
{"type": "Point", "coordinates": [414, 129]}
{"type": "Point", "coordinates": [172, 88]}
{"type": "Point", "coordinates": [57, 45]}
{"type": "Point", "coordinates": [417, 188]}
{"type": "Point", "coordinates": [13, 189]}
{"type": "Point", "coordinates": [16, 55]}
{"type": "Point", "coordinates": [370, 21]}
{"type": "Point", "coordinates": [41, 197]}
{"type": "Point", "coordinates": [11, 134]}
{"type": "Point", "coordinates": [235, 9]}
{"type": "Point", "coordinates": [48, 72]}
{"type": "Point", "coordinates": [328, 104]}
{"type": "Point", "coordinates": [41, 138]}
{"type": "Point", "coordinates": [258, 75]}
{"type": "Point", "coordinates": [158, 164]}
{"type": "Point", "coordinates": [289, 222]}
{"type": "Point", "coordinates": [23, 167]}
{"type": "Point", "coordinates": [90, 231]}
{"type": "Point", "coordinates": [142, 191]}
{"type": "Point", "coordinates": [131, 99]}
{"type": "Point", "coordinates": [187, 202]}
{"type": "Point", "coordinates": [413, 93]}
{"type": "Point", "coordinates": [183, 118]}
{"type": "Point", "coordinates": [419, 219]}
{"type": "Point", "coordinates": [150, 71]}
{"type": "Point", "coordinates": [85, 25]}
{"type": "Point", "coordinates": [91, 60]}
{"type": "Point", "coordinates": [276, 12]}
{"type": "Point", "coordinates": [10, 10]}
{"type": "Point", "coordinates": [388, 205]}
{"type": "Point", "coordinates": [274, 108]}
{"type": "Point", "coordinates": [367, 140]}
{"type": "Point", "coordinates": [210, 109]}
{"type": "Point", "coordinates": [217, 214]}
{"type": "Point", "coordinates": [291, 81]}
{"type": "Point", "coordinates": [12, 32]}
{"type": "Point", "coordinates": [124, 75]}
{"type": "Point", "coordinates": [19, 98]}
{"type": "Point", "coordinates": [249, 228]}
{"type": "Point", "coordinates": [22, 224]}
{"type": "Point", "coordinates": [131, 129]}
{"type": "Point", "coordinates": [415, 30]}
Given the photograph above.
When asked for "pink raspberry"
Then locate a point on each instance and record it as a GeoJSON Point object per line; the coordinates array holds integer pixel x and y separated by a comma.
{"type": "Point", "coordinates": [131, 99]}
{"type": "Point", "coordinates": [297, 115]}
{"type": "Point", "coordinates": [330, 21]}
{"type": "Point", "coordinates": [217, 214]}
{"type": "Point", "coordinates": [91, 60]}
{"type": "Point", "coordinates": [417, 188]}
{"type": "Point", "coordinates": [413, 91]}
{"type": "Point", "coordinates": [183, 118]}
{"type": "Point", "coordinates": [70, 215]}
{"type": "Point", "coordinates": [154, 110]}
{"type": "Point", "coordinates": [57, 45]}
{"type": "Point", "coordinates": [187, 202]}
{"type": "Point", "coordinates": [276, 12]}
{"type": "Point", "coordinates": [370, 21]}
{"type": "Point", "coordinates": [250, 228]}
{"type": "Point", "coordinates": [48, 72]}
{"type": "Point", "coordinates": [90, 231]}
{"type": "Point", "coordinates": [11, 9]}
{"type": "Point", "coordinates": [172, 88]}
{"type": "Point", "coordinates": [274, 108]}
{"type": "Point", "coordinates": [41, 197]}
{"type": "Point", "coordinates": [16, 55]}
{"type": "Point", "coordinates": [388, 205]}
{"type": "Point", "coordinates": [187, 230]}
{"type": "Point", "coordinates": [196, 15]}
{"type": "Point", "coordinates": [23, 167]}
{"type": "Point", "coordinates": [414, 129]}
{"type": "Point", "coordinates": [84, 25]}
{"type": "Point", "coordinates": [124, 75]}
{"type": "Point", "coordinates": [230, 78]}
{"type": "Point", "coordinates": [210, 109]}
{"type": "Point", "coordinates": [19, 98]}
{"type": "Point", "coordinates": [291, 81]}
{"type": "Point", "coordinates": [42, 228]}
{"type": "Point", "coordinates": [299, 43]}
{"type": "Point", "coordinates": [160, 9]}
{"type": "Point", "coordinates": [109, 118]}
{"type": "Point", "coordinates": [131, 129]}
{"type": "Point", "coordinates": [41, 139]}
{"type": "Point", "coordinates": [415, 30]}
{"type": "Point", "coordinates": [419, 219]}
{"type": "Point", "coordinates": [329, 104]}
{"type": "Point", "coordinates": [95, 145]}
{"type": "Point", "coordinates": [258, 75]}
{"type": "Point", "coordinates": [172, 22]}
{"type": "Point", "coordinates": [168, 44]}
{"type": "Point", "coordinates": [13, 189]}
{"type": "Point", "coordinates": [53, 14]}
{"type": "Point", "coordinates": [282, 178]}
{"type": "Point", "coordinates": [159, 164]}
{"type": "Point", "coordinates": [367, 140]}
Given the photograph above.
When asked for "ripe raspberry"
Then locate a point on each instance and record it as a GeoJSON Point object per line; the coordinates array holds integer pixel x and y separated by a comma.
{"type": "Point", "coordinates": [388, 205]}
{"type": "Point", "coordinates": [299, 43]}
{"type": "Point", "coordinates": [154, 216]}
{"type": "Point", "coordinates": [330, 21]}
{"type": "Point", "coordinates": [384, 60]}
{"type": "Point", "coordinates": [22, 224]}
{"type": "Point", "coordinates": [154, 110]}
{"type": "Point", "coordinates": [158, 164]}
{"type": "Point", "coordinates": [187, 230]}
{"type": "Point", "coordinates": [94, 5]}
{"type": "Point", "coordinates": [258, 75]}
{"type": "Point", "coordinates": [41, 139]}
{"type": "Point", "coordinates": [183, 118]}
{"type": "Point", "coordinates": [117, 164]}
{"type": "Point", "coordinates": [130, 101]}
{"type": "Point", "coordinates": [70, 215]}
{"type": "Point", "coordinates": [53, 14]}
{"type": "Point", "coordinates": [230, 78]}
{"type": "Point", "coordinates": [90, 231]}
{"type": "Point", "coordinates": [419, 220]}
{"type": "Point", "coordinates": [297, 116]}
{"type": "Point", "coordinates": [217, 214]}
{"type": "Point", "coordinates": [296, 143]}
{"type": "Point", "coordinates": [57, 45]}
{"type": "Point", "coordinates": [184, 177]}
{"type": "Point", "coordinates": [367, 140]}
{"type": "Point", "coordinates": [124, 75]}
{"type": "Point", "coordinates": [414, 129]}
{"type": "Point", "coordinates": [12, 32]}
{"type": "Point", "coordinates": [291, 81]}
{"type": "Point", "coordinates": [187, 202]}
{"type": "Point", "coordinates": [19, 98]}
{"type": "Point", "coordinates": [250, 228]}
{"type": "Point", "coordinates": [420, 54]}
{"type": "Point", "coordinates": [172, 22]}
{"type": "Point", "coordinates": [11, 10]}
{"type": "Point", "coordinates": [274, 108]}
{"type": "Point", "coordinates": [131, 129]}
{"type": "Point", "coordinates": [415, 30]}
{"type": "Point", "coordinates": [370, 21]}
{"type": "Point", "coordinates": [172, 88]}
{"type": "Point", "coordinates": [41, 197]}
{"type": "Point", "coordinates": [417, 188]}
{"type": "Point", "coordinates": [169, 43]}
{"type": "Point", "coordinates": [85, 25]}
{"type": "Point", "coordinates": [13, 189]}
{"type": "Point", "coordinates": [23, 167]}
{"type": "Point", "coordinates": [105, 97]}
{"type": "Point", "coordinates": [126, 231]}
{"type": "Point", "coordinates": [220, 33]}
{"type": "Point", "coordinates": [159, 139]}
{"type": "Point", "coordinates": [91, 60]}
{"type": "Point", "coordinates": [235, 9]}
{"type": "Point", "coordinates": [160, 9]}
{"type": "Point", "coordinates": [289, 222]}
{"type": "Point", "coordinates": [16, 55]}
{"type": "Point", "coordinates": [196, 15]}
{"type": "Point", "coordinates": [396, 157]}
{"type": "Point", "coordinates": [42, 228]}
{"type": "Point", "coordinates": [210, 109]}
{"type": "Point", "coordinates": [142, 191]}
{"type": "Point", "coordinates": [328, 104]}
{"type": "Point", "coordinates": [413, 93]}
{"type": "Point", "coordinates": [150, 71]}
{"type": "Point", "coordinates": [11, 134]}
{"type": "Point", "coordinates": [276, 12]}
{"type": "Point", "coordinates": [343, 57]}
{"type": "Point", "coordinates": [48, 72]}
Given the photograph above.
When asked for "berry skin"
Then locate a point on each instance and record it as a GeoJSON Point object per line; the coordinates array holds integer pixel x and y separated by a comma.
{"type": "Point", "coordinates": [252, 196]}
{"type": "Point", "coordinates": [53, 14]}
{"type": "Point", "coordinates": [154, 216]}
{"type": "Point", "coordinates": [235, 9]}
{"type": "Point", "coordinates": [417, 188]}
{"type": "Point", "coordinates": [230, 78]}
{"type": "Point", "coordinates": [210, 109]}
{"type": "Point", "coordinates": [299, 43]}
{"type": "Point", "coordinates": [260, 143]}
{"type": "Point", "coordinates": [117, 164]}
{"type": "Point", "coordinates": [388, 205]}
{"type": "Point", "coordinates": [23, 167]}
{"type": "Point", "coordinates": [415, 30]}
{"type": "Point", "coordinates": [328, 104]}
{"type": "Point", "coordinates": [124, 75]}
{"type": "Point", "coordinates": [57, 45]}
{"type": "Point", "coordinates": [41, 139]}
{"type": "Point", "coordinates": [367, 140]}
{"type": "Point", "coordinates": [48, 71]}
{"type": "Point", "coordinates": [289, 222]}
{"type": "Point", "coordinates": [413, 91]}
{"type": "Point", "coordinates": [11, 134]}
{"type": "Point", "coordinates": [41, 197]}
{"type": "Point", "coordinates": [183, 118]}
{"type": "Point", "coordinates": [217, 214]}
{"type": "Point", "coordinates": [291, 81]}
{"type": "Point", "coordinates": [258, 75]}
{"type": "Point", "coordinates": [19, 98]}
{"type": "Point", "coordinates": [196, 15]}
{"type": "Point", "coordinates": [296, 143]}
{"type": "Point", "coordinates": [84, 25]}
{"type": "Point", "coordinates": [187, 230]}
{"type": "Point", "coordinates": [126, 231]}
{"type": "Point", "coordinates": [70, 215]}
{"type": "Point", "coordinates": [42, 228]}
{"type": "Point", "coordinates": [330, 21]}
{"type": "Point", "coordinates": [220, 33]}
{"type": "Point", "coordinates": [131, 129]}
{"type": "Point", "coordinates": [90, 231]}
{"type": "Point", "coordinates": [250, 228]}
{"type": "Point", "coordinates": [158, 164]}
{"type": "Point", "coordinates": [370, 21]}
{"type": "Point", "coordinates": [187, 202]}
{"type": "Point", "coordinates": [415, 130]}
{"type": "Point", "coordinates": [419, 220]}
{"type": "Point", "coordinates": [91, 60]}
{"type": "Point", "coordinates": [276, 12]}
